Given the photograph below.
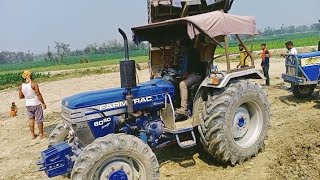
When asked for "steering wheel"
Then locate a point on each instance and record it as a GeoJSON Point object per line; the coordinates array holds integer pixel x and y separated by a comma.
{"type": "Point", "coordinates": [168, 70]}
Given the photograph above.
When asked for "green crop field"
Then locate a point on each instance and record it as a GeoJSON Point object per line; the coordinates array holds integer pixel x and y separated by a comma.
{"type": "Point", "coordinates": [70, 60]}
{"type": "Point", "coordinates": [277, 42]}
{"type": "Point", "coordinates": [10, 73]}
{"type": "Point", "coordinates": [13, 78]}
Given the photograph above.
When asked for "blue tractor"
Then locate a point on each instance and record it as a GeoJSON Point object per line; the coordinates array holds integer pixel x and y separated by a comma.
{"type": "Point", "coordinates": [303, 73]}
{"type": "Point", "coordinates": [111, 134]}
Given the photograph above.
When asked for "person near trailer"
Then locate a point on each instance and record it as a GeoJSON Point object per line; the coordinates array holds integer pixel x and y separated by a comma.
{"type": "Point", "coordinates": [290, 59]}
{"type": "Point", "coordinates": [291, 49]}
{"type": "Point", "coordinates": [265, 62]}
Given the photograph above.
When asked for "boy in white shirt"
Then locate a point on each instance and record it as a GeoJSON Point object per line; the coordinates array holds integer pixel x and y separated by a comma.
{"type": "Point", "coordinates": [291, 49]}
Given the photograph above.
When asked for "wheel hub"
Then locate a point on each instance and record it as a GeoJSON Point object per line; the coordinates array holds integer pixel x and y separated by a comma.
{"type": "Point", "coordinates": [118, 175]}
{"type": "Point", "coordinates": [240, 122]}
{"type": "Point", "coordinates": [247, 124]}
{"type": "Point", "coordinates": [118, 170]}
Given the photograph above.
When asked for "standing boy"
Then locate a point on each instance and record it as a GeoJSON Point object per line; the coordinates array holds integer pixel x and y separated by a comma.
{"type": "Point", "coordinates": [265, 59]}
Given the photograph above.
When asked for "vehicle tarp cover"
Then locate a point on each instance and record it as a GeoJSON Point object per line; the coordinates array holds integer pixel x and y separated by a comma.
{"type": "Point", "coordinates": [213, 24]}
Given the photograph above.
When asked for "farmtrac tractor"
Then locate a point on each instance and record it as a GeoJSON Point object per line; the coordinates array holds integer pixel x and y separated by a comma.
{"type": "Point", "coordinates": [303, 73]}
{"type": "Point", "coordinates": [111, 134]}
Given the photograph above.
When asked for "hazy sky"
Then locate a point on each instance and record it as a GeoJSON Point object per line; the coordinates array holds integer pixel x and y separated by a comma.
{"type": "Point", "coordinates": [35, 24]}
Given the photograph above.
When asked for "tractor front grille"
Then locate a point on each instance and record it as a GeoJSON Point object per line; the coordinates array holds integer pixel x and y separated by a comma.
{"type": "Point", "coordinates": [77, 120]}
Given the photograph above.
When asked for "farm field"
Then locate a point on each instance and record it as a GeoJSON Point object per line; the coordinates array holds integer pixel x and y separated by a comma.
{"type": "Point", "coordinates": [73, 62]}
{"type": "Point", "coordinates": [292, 150]}
{"type": "Point", "coordinates": [13, 78]}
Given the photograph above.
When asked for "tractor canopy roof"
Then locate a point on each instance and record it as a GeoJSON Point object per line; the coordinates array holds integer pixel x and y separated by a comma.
{"type": "Point", "coordinates": [212, 24]}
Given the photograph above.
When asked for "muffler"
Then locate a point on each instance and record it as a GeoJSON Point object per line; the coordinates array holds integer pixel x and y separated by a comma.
{"type": "Point", "coordinates": [128, 74]}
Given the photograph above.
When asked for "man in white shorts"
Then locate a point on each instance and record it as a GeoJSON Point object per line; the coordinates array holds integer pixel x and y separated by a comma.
{"type": "Point", "coordinates": [29, 90]}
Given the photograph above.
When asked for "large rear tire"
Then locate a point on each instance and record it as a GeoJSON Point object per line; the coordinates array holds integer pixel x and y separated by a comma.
{"type": "Point", "coordinates": [124, 154]}
{"type": "Point", "coordinates": [234, 122]}
{"type": "Point", "coordinates": [59, 134]}
{"type": "Point", "coordinates": [302, 92]}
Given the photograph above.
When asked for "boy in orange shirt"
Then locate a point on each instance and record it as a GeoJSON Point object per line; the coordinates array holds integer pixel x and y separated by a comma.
{"type": "Point", "coordinates": [265, 58]}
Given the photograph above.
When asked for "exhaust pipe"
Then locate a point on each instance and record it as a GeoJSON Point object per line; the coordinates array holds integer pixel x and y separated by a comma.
{"type": "Point", "coordinates": [125, 42]}
{"type": "Point", "coordinates": [128, 75]}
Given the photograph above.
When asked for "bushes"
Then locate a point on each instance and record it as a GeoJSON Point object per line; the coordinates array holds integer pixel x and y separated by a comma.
{"type": "Point", "coordinates": [15, 78]}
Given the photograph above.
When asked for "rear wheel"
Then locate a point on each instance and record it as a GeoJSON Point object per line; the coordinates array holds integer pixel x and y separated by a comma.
{"type": "Point", "coordinates": [302, 91]}
{"type": "Point", "coordinates": [116, 156]}
{"type": "Point", "coordinates": [234, 122]}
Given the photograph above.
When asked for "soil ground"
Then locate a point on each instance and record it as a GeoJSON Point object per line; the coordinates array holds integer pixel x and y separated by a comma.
{"type": "Point", "coordinates": [292, 149]}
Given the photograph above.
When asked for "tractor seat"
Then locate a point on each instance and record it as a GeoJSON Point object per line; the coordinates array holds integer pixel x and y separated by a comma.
{"type": "Point", "coordinates": [193, 90]}
{"type": "Point", "coordinates": [203, 69]}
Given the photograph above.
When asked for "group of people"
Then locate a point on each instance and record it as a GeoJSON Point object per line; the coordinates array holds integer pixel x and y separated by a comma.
{"type": "Point", "coordinates": [265, 58]}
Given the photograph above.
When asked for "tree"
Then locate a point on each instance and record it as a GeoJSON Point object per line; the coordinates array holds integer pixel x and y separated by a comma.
{"type": "Point", "coordinates": [316, 26]}
{"type": "Point", "coordinates": [49, 55]}
{"type": "Point", "coordinates": [62, 50]}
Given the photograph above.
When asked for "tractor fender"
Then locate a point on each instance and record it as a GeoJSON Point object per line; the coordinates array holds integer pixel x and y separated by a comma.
{"type": "Point", "coordinates": [244, 74]}
{"type": "Point", "coordinates": [205, 86]}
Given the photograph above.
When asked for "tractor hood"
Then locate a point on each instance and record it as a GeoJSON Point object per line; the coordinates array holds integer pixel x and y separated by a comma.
{"type": "Point", "coordinates": [95, 98]}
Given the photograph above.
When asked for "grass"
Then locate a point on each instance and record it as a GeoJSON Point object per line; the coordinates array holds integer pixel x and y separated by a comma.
{"type": "Point", "coordinates": [113, 58]}
{"type": "Point", "coordinates": [10, 79]}
{"type": "Point", "coordinates": [139, 59]}
{"type": "Point", "coordinates": [13, 80]}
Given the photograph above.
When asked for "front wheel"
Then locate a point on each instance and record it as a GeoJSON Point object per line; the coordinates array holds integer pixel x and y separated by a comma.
{"type": "Point", "coordinates": [59, 134]}
{"type": "Point", "coordinates": [116, 156]}
{"type": "Point", "coordinates": [302, 91]}
{"type": "Point", "coordinates": [234, 122]}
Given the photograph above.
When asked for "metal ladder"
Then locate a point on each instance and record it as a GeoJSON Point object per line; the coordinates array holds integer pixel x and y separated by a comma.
{"type": "Point", "coordinates": [170, 125]}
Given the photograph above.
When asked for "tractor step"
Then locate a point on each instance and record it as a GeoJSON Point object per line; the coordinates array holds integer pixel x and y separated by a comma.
{"type": "Point", "coordinates": [187, 143]}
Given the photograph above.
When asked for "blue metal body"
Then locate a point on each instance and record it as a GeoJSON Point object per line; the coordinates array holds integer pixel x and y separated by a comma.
{"type": "Point", "coordinates": [302, 75]}
{"type": "Point", "coordinates": [102, 111]}
{"type": "Point", "coordinates": [155, 88]}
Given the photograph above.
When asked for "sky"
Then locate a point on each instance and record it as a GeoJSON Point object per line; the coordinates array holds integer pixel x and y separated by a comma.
{"type": "Point", "coordinates": [35, 24]}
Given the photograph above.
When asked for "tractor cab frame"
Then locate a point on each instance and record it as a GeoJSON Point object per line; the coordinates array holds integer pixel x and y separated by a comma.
{"type": "Point", "coordinates": [206, 32]}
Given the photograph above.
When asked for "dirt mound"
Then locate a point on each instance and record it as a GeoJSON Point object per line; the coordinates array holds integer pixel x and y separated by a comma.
{"type": "Point", "coordinates": [295, 137]}
{"type": "Point", "coordinates": [301, 159]}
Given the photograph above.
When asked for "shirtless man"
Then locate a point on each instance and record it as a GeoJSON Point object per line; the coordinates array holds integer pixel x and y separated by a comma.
{"type": "Point", "coordinates": [29, 90]}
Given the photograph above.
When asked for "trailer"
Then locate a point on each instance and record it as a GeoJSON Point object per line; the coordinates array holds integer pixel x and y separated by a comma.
{"type": "Point", "coordinates": [303, 73]}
